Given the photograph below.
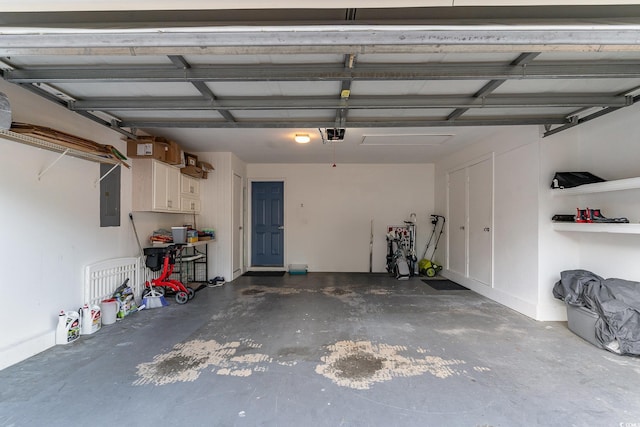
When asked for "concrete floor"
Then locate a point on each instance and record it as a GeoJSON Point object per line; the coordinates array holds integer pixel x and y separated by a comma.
{"type": "Point", "coordinates": [325, 350]}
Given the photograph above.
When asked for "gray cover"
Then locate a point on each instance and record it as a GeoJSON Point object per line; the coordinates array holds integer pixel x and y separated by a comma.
{"type": "Point", "coordinates": [616, 301]}
{"type": "Point", "coordinates": [5, 112]}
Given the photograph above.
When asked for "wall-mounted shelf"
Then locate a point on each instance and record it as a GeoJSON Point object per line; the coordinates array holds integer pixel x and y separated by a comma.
{"type": "Point", "coordinates": [47, 145]}
{"type": "Point", "coordinates": [599, 187]}
{"type": "Point", "coordinates": [597, 227]}
{"type": "Point", "coordinates": [63, 150]}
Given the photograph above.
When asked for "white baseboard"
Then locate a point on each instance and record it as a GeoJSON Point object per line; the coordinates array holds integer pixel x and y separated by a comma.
{"type": "Point", "coordinates": [521, 306]}
{"type": "Point", "coordinates": [24, 350]}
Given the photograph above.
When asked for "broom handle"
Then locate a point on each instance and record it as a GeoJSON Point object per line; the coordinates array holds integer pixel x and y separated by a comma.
{"type": "Point", "coordinates": [136, 233]}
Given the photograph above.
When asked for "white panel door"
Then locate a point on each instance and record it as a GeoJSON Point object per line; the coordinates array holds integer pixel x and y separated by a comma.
{"type": "Point", "coordinates": [457, 196]}
{"type": "Point", "coordinates": [481, 221]}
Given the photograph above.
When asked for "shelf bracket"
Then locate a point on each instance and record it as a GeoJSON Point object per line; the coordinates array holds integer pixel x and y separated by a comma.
{"type": "Point", "coordinates": [64, 153]}
{"type": "Point", "coordinates": [97, 181]}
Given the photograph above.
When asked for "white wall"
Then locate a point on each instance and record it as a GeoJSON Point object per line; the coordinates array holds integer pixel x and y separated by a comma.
{"type": "Point", "coordinates": [216, 196]}
{"type": "Point", "coordinates": [50, 226]}
{"type": "Point", "coordinates": [328, 211]}
{"type": "Point", "coordinates": [607, 147]}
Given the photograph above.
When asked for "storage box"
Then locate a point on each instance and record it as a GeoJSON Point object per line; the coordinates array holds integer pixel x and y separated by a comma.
{"type": "Point", "coordinates": [297, 268]}
{"type": "Point", "coordinates": [173, 153]}
{"type": "Point", "coordinates": [179, 234]}
{"type": "Point", "coordinates": [582, 322]}
{"type": "Point", "coordinates": [193, 171]}
{"type": "Point", "coordinates": [145, 148]}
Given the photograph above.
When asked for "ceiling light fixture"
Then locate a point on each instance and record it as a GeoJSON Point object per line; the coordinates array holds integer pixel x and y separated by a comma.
{"type": "Point", "coordinates": [302, 138]}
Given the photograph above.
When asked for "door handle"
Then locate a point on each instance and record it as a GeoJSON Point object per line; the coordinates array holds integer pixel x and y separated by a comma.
{"type": "Point", "coordinates": [487, 229]}
{"type": "Point", "coordinates": [462, 227]}
{"type": "Point", "coordinates": [281, 227]}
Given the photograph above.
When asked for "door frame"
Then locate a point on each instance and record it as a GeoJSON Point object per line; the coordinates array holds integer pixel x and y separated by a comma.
{"type": "Point", "coordinates": [249, 223]}
{"type": "Point", "coordinates": [241, 217]}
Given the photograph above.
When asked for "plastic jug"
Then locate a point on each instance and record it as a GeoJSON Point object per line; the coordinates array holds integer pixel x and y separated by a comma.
{"type": "Point", "coordinates": [91, 319]}
{"type": "Point", "coordinates": [68, 329]}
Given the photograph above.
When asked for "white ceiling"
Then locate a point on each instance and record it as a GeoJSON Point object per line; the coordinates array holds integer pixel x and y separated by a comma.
{"type": "Point", "coordinates": [247, 83]}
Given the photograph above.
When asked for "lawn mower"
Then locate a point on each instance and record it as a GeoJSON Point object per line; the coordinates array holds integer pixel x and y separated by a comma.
{"type": "Point", "coordinates": [426, 266]}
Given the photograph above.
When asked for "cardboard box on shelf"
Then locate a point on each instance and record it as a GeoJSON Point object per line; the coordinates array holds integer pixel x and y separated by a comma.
{"type": "Point", "coordinates": [193, 171]}
{"type": "Point", "coordinates": [146, 149]}
{"type": "Point", "coordinates": [173, 153]}
{"type": "Point", "coordinates": [207, 167]}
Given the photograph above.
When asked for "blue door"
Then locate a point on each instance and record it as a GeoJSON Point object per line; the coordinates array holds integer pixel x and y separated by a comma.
{"type": "Point", "coordinates": [267, 224]}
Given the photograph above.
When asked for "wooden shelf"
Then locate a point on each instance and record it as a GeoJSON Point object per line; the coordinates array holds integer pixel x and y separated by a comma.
{"type": "Point", "coordinates": [597, 227]}
{"type": "Point", "coordinates": [47, 145]}
{"type": "Point", "coordinates": [599, 187]}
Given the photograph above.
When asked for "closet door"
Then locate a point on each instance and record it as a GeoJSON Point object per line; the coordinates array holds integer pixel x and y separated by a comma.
{"type": "Point", "coordinates": [480, 214]}
{"type": "Point", "coordinates": [457, 197]}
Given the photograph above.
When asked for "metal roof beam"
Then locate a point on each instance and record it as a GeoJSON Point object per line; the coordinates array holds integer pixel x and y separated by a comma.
{"type": "Point", "coordinates": [181, 62]}
{"type": "Point", "coordinates": [322, 72]}
{"type": "Point", "coordinates": [363, 123]}
{"type": "Point", "coordinates": [521, 60]}
{"type": "Point", "coordinates": [354, 103]}
{"type": "Point", "coordinates": [575, 120]}
{"type": "Point", "coordinates": [295, 39]}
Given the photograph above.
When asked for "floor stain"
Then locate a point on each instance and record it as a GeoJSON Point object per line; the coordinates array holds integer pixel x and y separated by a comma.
{"type": "Point", "coordinates": [379, 292]}
{"type": "Point", "coordinates": [263, 290]}
{"type": "Point", "coordinates": [294, 352]}
{"type": "Point", "coordinates": [340, 293]}
{"type": "Point", "coordinates": [360, 364]}
{"type": "Point", "coordinates": [186, 361]}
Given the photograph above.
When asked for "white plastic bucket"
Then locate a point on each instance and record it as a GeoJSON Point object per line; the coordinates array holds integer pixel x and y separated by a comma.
{"type": "Point", "coordinates": [109, 309]}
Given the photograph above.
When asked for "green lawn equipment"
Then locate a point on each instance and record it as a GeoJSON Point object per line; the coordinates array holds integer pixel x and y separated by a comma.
{"type": "Point", "coordinates": [426, 266]}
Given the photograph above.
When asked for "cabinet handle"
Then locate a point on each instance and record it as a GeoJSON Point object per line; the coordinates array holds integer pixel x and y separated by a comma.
{"type": "Point", "coordinates": [169, 204]}
{"type": "Point", "coordinates": [462, 227]}
{"type": "Point", "coordinates": [192, 189]}
{"type": "Point", "coordinates": [487, 229]}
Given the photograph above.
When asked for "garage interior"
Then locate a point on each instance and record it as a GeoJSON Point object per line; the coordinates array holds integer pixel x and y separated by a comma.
{"type": "Point", "coordinates": [465, 111]}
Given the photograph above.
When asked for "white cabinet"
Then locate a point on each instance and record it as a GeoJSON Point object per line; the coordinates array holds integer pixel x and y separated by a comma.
{"type": "Point", "coordinates": [470, 211]}
{"type": "Point", "coordinates": [156, 186]}
{"type": "Point", "coordinates": [189, 194]}
{"type": "Point", "coordinates": [189, 185]}
{"type": "Point", "coordinates": [595, 188]}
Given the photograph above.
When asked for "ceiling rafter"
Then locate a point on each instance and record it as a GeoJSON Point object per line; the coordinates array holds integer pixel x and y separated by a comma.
{"type": "Point", "coordinates": [331, 72]}
{"type": "Point", "coordinates": [581, 100]}
{"type": "Point", "coordinates": [345, 92]}
{"type": "Point", "coordinates": [360, 123]}
{"type": "Point", "coordinates": [181, 62]}
{"type": "Point", "coordinates": [522, 60]}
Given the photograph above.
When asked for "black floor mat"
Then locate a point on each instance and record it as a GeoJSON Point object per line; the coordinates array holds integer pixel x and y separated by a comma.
{"type": "Point", "coordinates": [265, 273]}
{"type": "Point", "coordinates": [444, 285]}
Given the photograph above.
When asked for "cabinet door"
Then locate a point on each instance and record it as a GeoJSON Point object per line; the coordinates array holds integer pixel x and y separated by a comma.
{"type": "Point", "coordinates": [480, 212]}
{"type": "Point", "coordinates": [457, 196]}
{"type": "Point", "coordinates": [173, 188]}
{"type": "Point", "coordinates": [188, 204]}
{"type": "Point", "coordinates": [159, 186]}
{"type": "Point", "coordinates": [190, 185]}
